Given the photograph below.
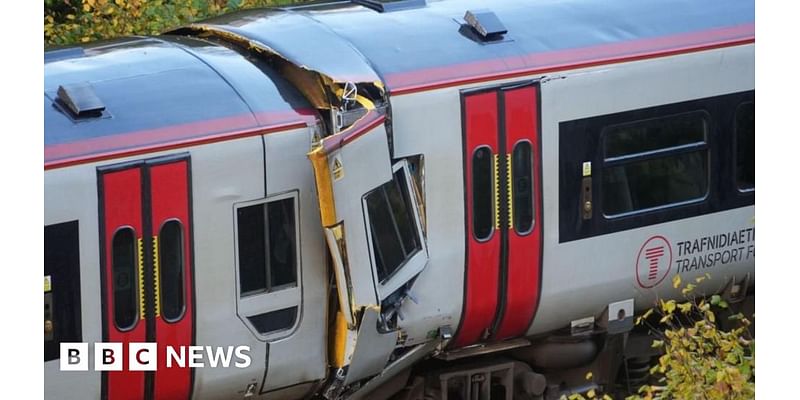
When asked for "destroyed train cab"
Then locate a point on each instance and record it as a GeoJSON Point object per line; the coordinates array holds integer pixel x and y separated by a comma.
{"type": "Point", "coordinates": [404, 198]}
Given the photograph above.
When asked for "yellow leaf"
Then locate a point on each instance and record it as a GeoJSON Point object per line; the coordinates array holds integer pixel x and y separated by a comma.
{"type": "Point", "coordinates": [589, 375]}
{"type": "Point", "coordinates": [710, 316]}
{"type": "Point", "coordinates": [607, 397]}
{"type": "Point", "coordinates": [70, 17]}
{"type": "Point", "coordinates": [676, 281]}
{"type": "Point", "coordinates": [120, 2]}
{"type": "Point", "coordinates": [669, 306]}
{"type": "Point", "coordinates": [590, 394]}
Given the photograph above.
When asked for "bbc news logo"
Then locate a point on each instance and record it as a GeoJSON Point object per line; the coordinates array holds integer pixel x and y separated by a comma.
{"type": "Point", "coordinates": [145, 357]}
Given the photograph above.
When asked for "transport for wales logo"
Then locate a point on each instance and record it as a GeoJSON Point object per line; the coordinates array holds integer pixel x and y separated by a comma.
{"type": "Point", "coordinates": [653, 262]}
{"type": "Point", "coordinates": [148, 357]}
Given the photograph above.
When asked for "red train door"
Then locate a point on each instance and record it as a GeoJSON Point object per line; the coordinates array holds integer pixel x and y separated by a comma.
{"type": "Point", "coordinates": [503, 212]}
{"type": "Point", "coordinates": [146, 229]}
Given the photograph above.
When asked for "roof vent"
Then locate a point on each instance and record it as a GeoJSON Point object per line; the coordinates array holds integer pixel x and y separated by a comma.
{"type": "Point", "coordinates": [391, 5]}
{"type": "Point", "coordinates": [80, 100]}
{"type": "Point", "coordinates": [486, 24]}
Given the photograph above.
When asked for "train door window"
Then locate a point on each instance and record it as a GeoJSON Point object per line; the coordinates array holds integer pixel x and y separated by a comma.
{"type": "Point", "coordinates": [522, 186]}
{"type": "Point", "coordinates": [397, 246]}
{"type": "Point", "coordinates": [268, 265]}
{"type": "Point", "coordinates": [267, 246]}
{"type": "Point", "coordinates": [123, 259]}
{"type": "Point", "coordinates": [654, 163]}
{"type": "Point", "coordinates": [745, 146]}
{"type": "Point", "coordinates": [482, 192]}
{"type": "Point", "coordinates": [171, 270]}
{"type": "Point", "coordinates": [62, 287]}
{"type": "Point", "coordinates": [394, 231]}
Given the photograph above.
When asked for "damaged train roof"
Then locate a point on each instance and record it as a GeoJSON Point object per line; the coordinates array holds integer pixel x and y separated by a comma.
{"type": "Point", "coordinates": [274, 68]}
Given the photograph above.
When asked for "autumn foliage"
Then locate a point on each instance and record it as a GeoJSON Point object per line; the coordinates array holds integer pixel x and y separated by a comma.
{"type": "Point", "coordinates": [699, 360]}
{"type": "Point", "coordinates": [79, 21]}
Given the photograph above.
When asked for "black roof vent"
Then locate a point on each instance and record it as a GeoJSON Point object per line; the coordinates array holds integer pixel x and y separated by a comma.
{"type": "Point", "coordinates": [391, 5]}
{"type": "Point", "coordinates": [486, 24]}
{"type": "Point", "coordinates": [80, 100]}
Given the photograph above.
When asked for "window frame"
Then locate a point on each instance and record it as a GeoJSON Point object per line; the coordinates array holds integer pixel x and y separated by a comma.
{"type": "Point", "coordinates": [412, 265]}
{"type": "Point", "coordinates": [532, 188]}
{"type": "Point", "coordinates": [607, 163]}
{"type": "Point", "coordinates": [739, 189]}
{"type": "Point", "coordinates": [253, 304]}
{"type": "Point", "coordinates": [183, 270]}
{"type": "Point", "coordinates": [579, 140]}
{"type": "Point", "coordinates": [137, 271]}
{"type": "Point", "coordinates": [492, 197]}
{"type": "Point", "coordinates": [64, 293]}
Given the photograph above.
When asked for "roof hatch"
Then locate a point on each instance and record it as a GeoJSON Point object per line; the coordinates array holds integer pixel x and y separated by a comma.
{"type": "Point", "coordinates": [486, 24]}
{"type": "Point", "coordinates": [80, 100]}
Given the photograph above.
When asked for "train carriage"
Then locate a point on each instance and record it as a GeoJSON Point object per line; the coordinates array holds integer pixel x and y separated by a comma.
{"type": "Point", "coordinates": [378, 197]}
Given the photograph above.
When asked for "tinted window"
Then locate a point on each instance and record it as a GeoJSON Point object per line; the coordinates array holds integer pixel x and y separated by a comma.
{"type": "Point", "coordinates": [123, 259]}
{"type": "Point", "coordinates": [522, 190]}
{"type": "Point", "coordinates": [394, 232]}
{"type": "Point", "coordinates": [746, 146]}
{"type": "Point", "coordinates": [282, 234]}
{"type": "Point", "coordinates": [62, 287]}
{"type": "Point", "coordinates": [274, 321]}
{"type": "Point", "coordinates": [655, 162]}
{"type": "Point", "coordinates": [482, 191]}
{"type": "Point", "coordinates": [655, 134]}
{"type": "Point", "coordinates": [252, 249]}
{"type": "Point", "coordinates": [267, 246]}
{"type": "Point", "coordinates": [656, 182]}
{"type": "Point", "coordinates": [171, 265]}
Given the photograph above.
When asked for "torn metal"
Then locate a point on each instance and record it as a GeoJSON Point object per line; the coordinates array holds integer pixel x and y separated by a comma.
{"type": "Point", "coordinates": [334, 77]}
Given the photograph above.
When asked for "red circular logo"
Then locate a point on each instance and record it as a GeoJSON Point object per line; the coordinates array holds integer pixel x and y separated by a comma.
{"type": "Point", "coordinates": [653, 262]}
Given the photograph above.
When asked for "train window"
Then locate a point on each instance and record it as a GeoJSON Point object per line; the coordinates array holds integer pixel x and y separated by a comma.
{"type": "Point", "coordinates": [123, 264]}
{"type": "Point", "coordinates": [745, 146]}
{"type": "Point", "coordinates": [62, 287]}
{"type": "Point", "coordinates": [282, 257]}
{"type": "Point", "coordinates": [654, 134]}
{"type": "Point", "coordinates": [267, 244]}
{"type": "Point", "coordinates": [522, 187]}
{"type": "Point", "coordinates": [482, 191]}
{"type": "Point", "coordinates": [653, 163]}
{"type": "Point", "coordinates": [171, 270]}
{"type": "Point", "coordinates": [394, 232]}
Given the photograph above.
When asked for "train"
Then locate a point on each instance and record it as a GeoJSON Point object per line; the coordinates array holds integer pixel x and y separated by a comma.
{"type": "Point", "coordinates": [394, 198]}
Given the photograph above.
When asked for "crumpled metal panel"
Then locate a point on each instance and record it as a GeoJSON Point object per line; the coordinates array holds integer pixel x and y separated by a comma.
{"type": "Point", "coordinates": [299, 39]}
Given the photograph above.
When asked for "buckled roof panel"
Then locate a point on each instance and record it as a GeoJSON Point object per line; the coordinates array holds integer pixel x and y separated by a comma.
{"type": "Point", "coordinates": [299, 39]}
